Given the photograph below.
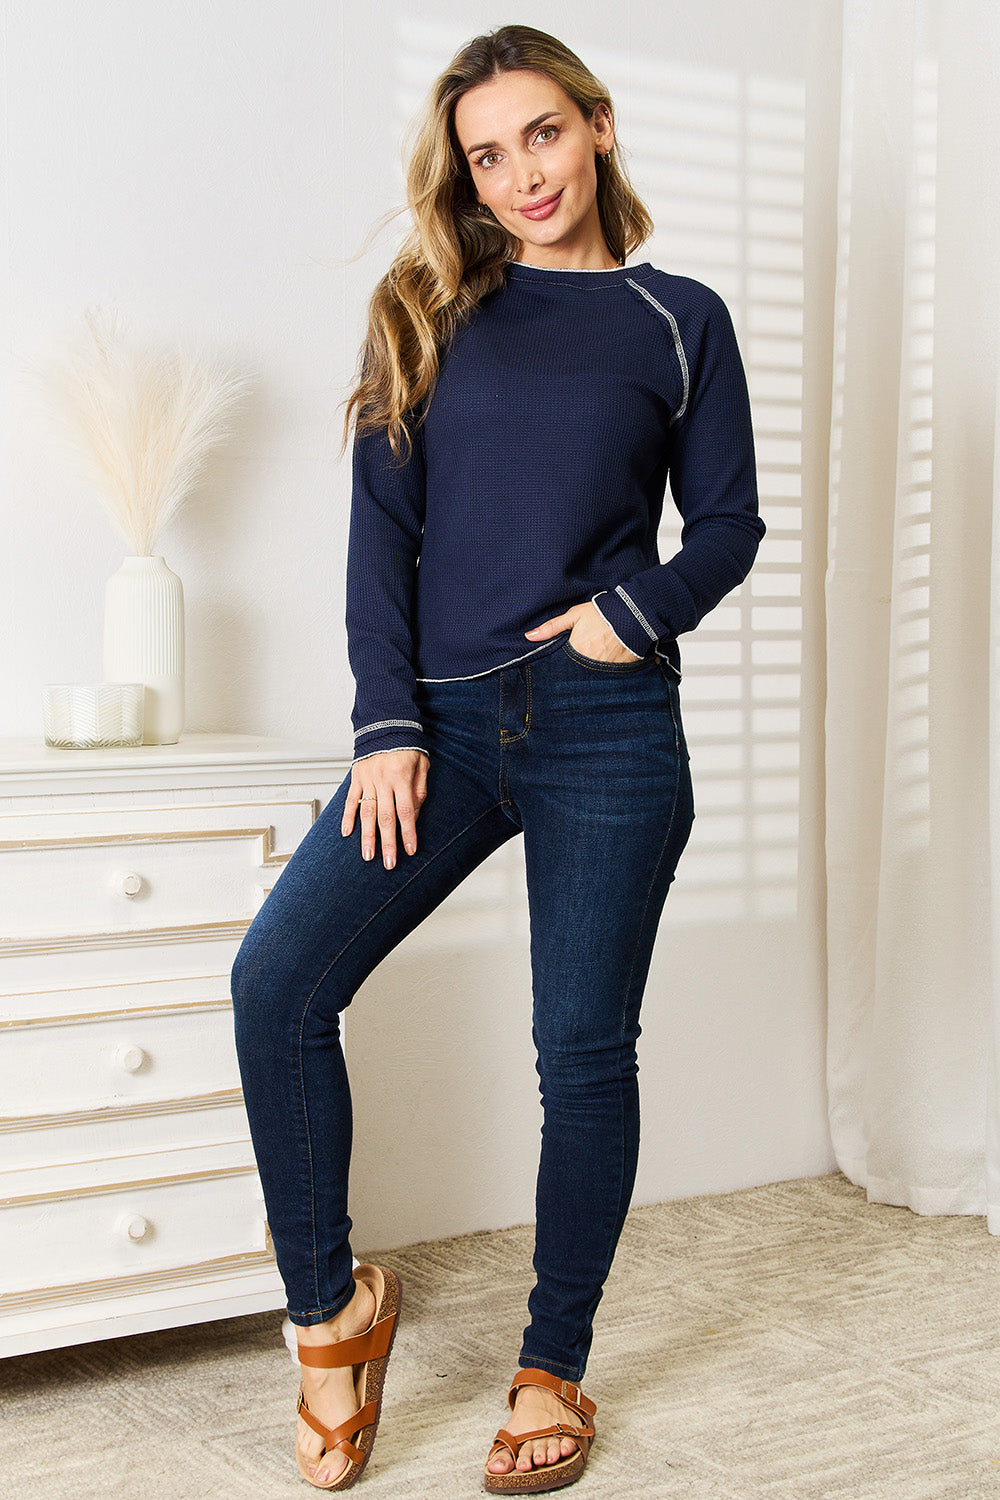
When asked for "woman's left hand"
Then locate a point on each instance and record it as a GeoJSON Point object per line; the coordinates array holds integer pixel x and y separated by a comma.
{"type": "Point", "coordinates": [589, 633]}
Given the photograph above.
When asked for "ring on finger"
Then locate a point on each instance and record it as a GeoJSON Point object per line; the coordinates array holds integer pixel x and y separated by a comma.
{"type": "Point", "coordinates": [369, 799]}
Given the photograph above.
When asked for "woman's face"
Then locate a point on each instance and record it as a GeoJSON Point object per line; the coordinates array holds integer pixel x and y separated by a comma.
{"type": "Point", "coordinates": [531, 155]}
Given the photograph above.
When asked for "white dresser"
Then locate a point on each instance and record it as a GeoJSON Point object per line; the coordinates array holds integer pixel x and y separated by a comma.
{"type": "Point", "coordinates": [129, 1199]}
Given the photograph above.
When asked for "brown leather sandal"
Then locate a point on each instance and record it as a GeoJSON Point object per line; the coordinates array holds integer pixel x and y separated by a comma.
{"type": "Point", "coordinates": [549, 1476]}
{"type": "Point", "coordinates": [369, 1354]}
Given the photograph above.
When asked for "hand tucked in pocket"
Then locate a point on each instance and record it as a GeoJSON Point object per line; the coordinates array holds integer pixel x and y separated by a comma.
{"type": "Point", "coordinates": [589, 633]}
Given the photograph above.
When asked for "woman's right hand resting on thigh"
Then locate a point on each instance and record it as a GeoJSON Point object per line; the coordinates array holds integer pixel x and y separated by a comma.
{"type": "Point", "coordinates": [387, 788]}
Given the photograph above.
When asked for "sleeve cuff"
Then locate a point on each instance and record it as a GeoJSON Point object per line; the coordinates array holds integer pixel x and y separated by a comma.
{"type": "Point", "coordinates": [369, 754]}
{"type": "Point", "coordinates": [635, 633]}
{"type": "Point", "coordinates": [388, 734]}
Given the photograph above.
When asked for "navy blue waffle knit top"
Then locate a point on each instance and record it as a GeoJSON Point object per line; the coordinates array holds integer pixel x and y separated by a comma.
{"type": "Point", "coordinates": [536, 481]}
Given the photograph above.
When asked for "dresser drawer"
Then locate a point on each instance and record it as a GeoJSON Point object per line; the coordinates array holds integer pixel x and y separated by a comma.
{"type": "Point", "coordinates": [119, 873]}
{"type": "Point", "coordinates": [67, 1064]}
{"type": "Point", "coordinates": [131, 1229]}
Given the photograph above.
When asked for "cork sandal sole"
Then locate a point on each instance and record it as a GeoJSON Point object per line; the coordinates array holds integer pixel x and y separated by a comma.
{"type": "Point", "coordinates": [369, 1356]}
{"type": "Point", "coordinates": [535, 1481]}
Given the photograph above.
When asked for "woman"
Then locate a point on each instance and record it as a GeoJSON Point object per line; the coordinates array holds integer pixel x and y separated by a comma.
{"type": "Point", "coordinates": [524, 398]}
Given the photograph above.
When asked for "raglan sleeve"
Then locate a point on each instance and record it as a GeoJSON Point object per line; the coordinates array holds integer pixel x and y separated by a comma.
{"type": "Point", "coordinates": [383, 551]}
{"type": "Point", "coordinates": [713, 480]}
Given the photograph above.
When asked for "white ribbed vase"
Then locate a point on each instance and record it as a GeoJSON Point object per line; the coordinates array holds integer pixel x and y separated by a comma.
{"type": "Point", "coordinates": [144, 642]}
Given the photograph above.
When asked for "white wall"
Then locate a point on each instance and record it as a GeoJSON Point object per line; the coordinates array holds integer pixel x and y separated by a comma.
{"type": "Point", "coordinates": [208, 173]}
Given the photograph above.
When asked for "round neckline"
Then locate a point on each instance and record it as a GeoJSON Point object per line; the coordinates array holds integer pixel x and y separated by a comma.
{"type": "Point", "coordinates": [605, 276]}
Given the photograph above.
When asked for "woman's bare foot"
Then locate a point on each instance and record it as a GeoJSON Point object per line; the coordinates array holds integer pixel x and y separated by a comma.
{"type": "Point", "coordinates": [330, 1394]}
{"type": "Point", "coordinates": [535, 1408]}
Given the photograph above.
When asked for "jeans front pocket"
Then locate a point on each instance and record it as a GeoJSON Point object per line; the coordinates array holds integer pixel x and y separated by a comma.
{"type": "Point", "coordinates": [612, 668]}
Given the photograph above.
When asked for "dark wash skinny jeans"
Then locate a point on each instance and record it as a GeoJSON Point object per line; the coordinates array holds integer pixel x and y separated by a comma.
{"type": "Point", "coordinates": [588, 760]}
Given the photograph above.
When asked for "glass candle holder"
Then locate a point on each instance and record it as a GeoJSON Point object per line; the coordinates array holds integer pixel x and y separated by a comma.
{"type": "Point", "coordinates": [85, 716]}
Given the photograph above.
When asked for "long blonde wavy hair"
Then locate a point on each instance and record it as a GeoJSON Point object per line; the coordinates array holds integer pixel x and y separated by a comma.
{"type": "Point", "coordinates": [455, 255]}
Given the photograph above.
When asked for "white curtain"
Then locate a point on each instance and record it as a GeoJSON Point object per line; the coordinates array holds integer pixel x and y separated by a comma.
{"type": "Point", "coordinates": [913, 611]}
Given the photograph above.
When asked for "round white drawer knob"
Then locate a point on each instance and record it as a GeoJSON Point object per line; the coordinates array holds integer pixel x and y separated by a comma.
{"type": "Point", "coordinates": [131, 885]}
{"type": "Point", "coordinates": [131, 1058]}
{"type": "Point", "coordinates": [133, 1227]}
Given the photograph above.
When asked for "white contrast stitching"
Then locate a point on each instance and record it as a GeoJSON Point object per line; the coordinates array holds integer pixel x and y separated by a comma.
{"type": "Point", "coordinates": [667, 662]}
{"type": "Point", "coordinates": [393, 751]}
{"type": "Point", "coordinates": [473, 675]}
{"type": "Point", "coordinates": [678, 345]}
{"type": "Point", "coordinates": [388, 724]}
{"type": "Point", "coordinates": [593, 599]}
{"type": "Point", "coordinates": [639, 616]}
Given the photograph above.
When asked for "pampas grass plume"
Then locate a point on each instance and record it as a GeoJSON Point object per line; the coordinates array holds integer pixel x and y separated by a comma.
{"type": "Point", "coordinates": [143, 422]}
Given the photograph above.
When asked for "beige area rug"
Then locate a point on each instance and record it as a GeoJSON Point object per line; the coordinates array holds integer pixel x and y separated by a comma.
{"type": "Point", "coordinates": [790, 1342]}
